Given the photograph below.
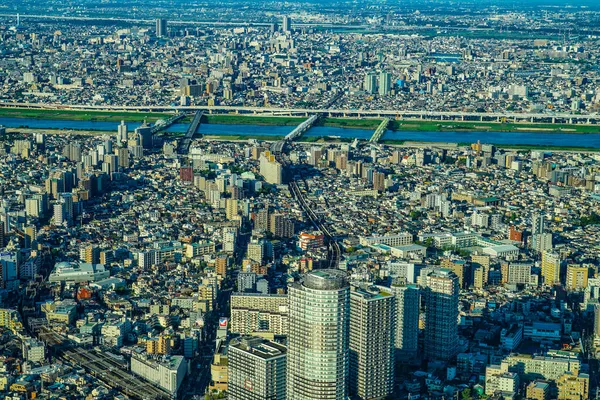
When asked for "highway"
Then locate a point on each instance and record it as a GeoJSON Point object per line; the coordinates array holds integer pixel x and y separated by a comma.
{"type": "Point", "coordinates": [140, 21]}
{"type": "Point", "coordinates": [103, 367]}
{"type": "Point", "coordinates": [567, 118]}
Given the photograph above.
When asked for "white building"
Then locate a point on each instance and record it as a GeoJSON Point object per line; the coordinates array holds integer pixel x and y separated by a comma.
{"type": "Point", "coordinates": [167, 372]}
{"type": "Point", "coordinates": [505, 251]}
{"type": "Point", "coordinates": [496, 380]}
{"type": "Point", "coordinates": [78, 272]}
{"type": "Point", "coordinates": [270, 168]}
{"type": "Point", "coordinates": [34, 350]}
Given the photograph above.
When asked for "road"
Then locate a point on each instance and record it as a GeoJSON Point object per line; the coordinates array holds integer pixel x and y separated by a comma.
{"type": "Point", "coordinates": [141, 21]}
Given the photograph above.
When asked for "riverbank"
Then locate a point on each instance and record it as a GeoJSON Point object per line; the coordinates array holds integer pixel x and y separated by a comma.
{"type": "Point", "coordinates": [323, 140]}
{"type": "Point", "coordinates": [268, 120]}
{"type": "Point", "coordinates": [75, 115]}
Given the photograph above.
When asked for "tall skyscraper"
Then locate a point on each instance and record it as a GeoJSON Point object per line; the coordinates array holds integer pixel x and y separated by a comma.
{"type": "Point", "coordinates": [256, 370]}
{"type": "Point", "coordinates": [161, 27]}
{"type": "Point", "coordinates": [318, 340]}
{"type": "Point", "coordinates": [286, 24]}
{"type": "Point", "coordinates": [372, 328]}
{"type": "Point", "coordinates": [370, 84]}
{"type": "Point", "coordinates": [385, 83]}
{"type": "Point", "coordinates": [441, 314]}
{"type": "Point", "coordinates": [406, 337]}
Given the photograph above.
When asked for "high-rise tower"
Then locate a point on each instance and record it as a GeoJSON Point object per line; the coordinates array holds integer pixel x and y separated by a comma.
{"type": "Point", "coordinates": [441, 314]}
{"type": "Point", "coordinates": [407, 319]}
{"type": "Point", "coordinates": [372, 327]}
{"type": "Point", "coordinates": [319, 314]}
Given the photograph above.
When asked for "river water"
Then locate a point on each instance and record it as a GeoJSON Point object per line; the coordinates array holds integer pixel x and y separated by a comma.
{"type": "Point", "coordinates": [500, 138]}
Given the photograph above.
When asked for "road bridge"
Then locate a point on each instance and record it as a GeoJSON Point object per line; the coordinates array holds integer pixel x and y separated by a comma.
{"type": "Point", "coordinates": [303, 127]}
{"type": "Point", "coordinates": [184, 144]}
{"type": "Point", "coordinates": [166, 124]}
{"type": "Point", "coordinates": [380, 130]}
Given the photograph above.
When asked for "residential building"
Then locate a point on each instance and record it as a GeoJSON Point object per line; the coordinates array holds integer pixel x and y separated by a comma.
{"type": "Point", "coordinates": [256, 370]}
{"type": "Point", "coordinates": [372, 328]}
{"type": "Point", "coordinates": [318, 339]}
{"type": "Point", "coordinates": [440, 295]}
{"type": "Point", "coordinates": [256, 312]}
{"type": "Point", "coordinates": [406, 337]}
{"type": "Point", "coordinates": [551, 268]}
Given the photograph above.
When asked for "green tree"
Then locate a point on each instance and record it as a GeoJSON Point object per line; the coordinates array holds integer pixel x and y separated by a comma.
{"type": "Point", "coordinates": [466, 394]}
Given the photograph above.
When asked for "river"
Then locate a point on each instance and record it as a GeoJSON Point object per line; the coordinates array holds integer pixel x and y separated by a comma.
{"type": "Point", "coordinates": [499, 138]}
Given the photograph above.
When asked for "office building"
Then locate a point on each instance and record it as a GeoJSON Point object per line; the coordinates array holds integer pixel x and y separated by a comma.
{"type": "Point", "coordinates": [372, 328]}
{"type": "Point", "coordinates": [318, 339]}
{"type": "Point", "coordinates": [256, 370]}
{"type": "Point", "coordinates": [144, 135]}
{"type": "Point", "coordinates": [406, 338]}
{"type": "Point", "coordinates": [440, 295]}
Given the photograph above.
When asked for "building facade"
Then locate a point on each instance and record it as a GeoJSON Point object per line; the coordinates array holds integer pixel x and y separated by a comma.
{"type": "Point", "coordinates": [257, 369]}
{"type": "Point", "coordinates": [317, 365]}
{"type": "Point", "coordinates": [372, 328]}
{"type": "Point", "coordinates": [441, 315]}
